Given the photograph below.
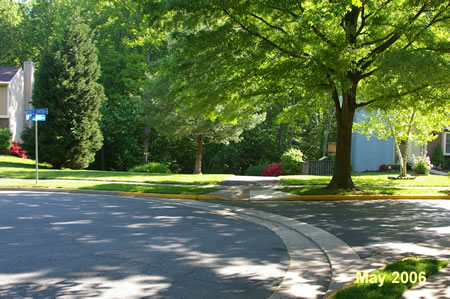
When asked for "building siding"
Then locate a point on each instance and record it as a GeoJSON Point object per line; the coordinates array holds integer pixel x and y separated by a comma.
{"type": "Point", "coordinates": [369, 154]}
{"type": "Point", "coordinates": [3, 100]}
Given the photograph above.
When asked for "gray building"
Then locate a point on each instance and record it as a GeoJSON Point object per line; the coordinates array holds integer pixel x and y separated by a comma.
{"type": "Point", "coordinates": [16, 86]}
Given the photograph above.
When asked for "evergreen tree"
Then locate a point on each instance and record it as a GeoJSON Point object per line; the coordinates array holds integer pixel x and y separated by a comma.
{"type": "Point", "coordinates": [66, 84]}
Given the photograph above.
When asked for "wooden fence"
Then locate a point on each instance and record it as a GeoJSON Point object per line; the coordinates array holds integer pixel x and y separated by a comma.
{"type": "Point", "coordinates": [323, 167]}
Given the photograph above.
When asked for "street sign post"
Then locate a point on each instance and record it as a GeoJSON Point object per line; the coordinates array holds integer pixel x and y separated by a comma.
{"type": "Point", "coordinates": [36, 115]}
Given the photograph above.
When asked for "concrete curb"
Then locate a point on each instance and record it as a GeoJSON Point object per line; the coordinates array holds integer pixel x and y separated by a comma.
{"type": "Point", "coordinates": [118, 193]}
{"type": "Point", "coordinates": [179, 196]}
{"type": "Point", "coordinates": [363, 197]}
{"type": "Point", "coordinates": [211, 197]}
{"type": "Point", "coordinates": [39, 189]}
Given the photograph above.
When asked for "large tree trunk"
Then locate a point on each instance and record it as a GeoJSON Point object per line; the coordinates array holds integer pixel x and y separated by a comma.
{"type": "Point", "coordinates": [342, 176]}
{"type": "Point", "coordinates": [198, 158]}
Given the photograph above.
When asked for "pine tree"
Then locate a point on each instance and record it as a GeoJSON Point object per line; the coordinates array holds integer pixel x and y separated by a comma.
{"type": "Point", "coordinates": [66, 84]}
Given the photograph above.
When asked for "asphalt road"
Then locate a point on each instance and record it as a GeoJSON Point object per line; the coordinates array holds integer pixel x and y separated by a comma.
{"type": "Point", "coordinates": [371, 227]}
{"type": "Point", "coordinates": [76, 245]}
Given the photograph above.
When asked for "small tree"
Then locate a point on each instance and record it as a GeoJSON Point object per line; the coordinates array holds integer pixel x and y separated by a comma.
{"type": "Point", "coordinates": [66, 84]}
{"type": "Point", "coordinates": [411, 123]}
{"type": "Point", "coordinates": [174, 118]}
{"type": "Point", "coordinates": [5, 140]}
{"type": "Point", "coordinates": [438, 156]}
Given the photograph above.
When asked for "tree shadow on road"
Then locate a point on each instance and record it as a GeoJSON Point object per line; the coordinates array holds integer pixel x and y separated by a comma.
{"type": "Point", "coordinates": [57, 245]}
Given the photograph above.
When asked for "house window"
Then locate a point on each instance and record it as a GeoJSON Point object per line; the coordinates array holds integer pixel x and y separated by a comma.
{"type": "Point", "coordinates": [446, 143]}
{"type": "Point", "coordinates": [4, 100]}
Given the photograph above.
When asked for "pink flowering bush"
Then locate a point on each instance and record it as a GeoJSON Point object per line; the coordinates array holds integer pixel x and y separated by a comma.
{"type": "Point", "coordinates": [16, 150]}
{"type": "Point", "coordinates": [274, 169]}
{"type": "Point", "coordinates": [422, 164]}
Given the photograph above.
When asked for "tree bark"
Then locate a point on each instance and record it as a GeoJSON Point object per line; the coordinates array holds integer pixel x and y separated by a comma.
{"type": "Point", "coordinates": [199, 156]}
{"type": "Point", "coordinates": [327, 131]}
{"type": "Point", "coordinates": [397, 148]}
{"type": "Point", "coordinates": [342, 176]}
{"type": "Point", "coordinates": [281, 137]}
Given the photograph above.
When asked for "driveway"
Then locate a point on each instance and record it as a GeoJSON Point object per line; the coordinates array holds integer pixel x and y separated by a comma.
{"type": "Point", "coordinates": [77, 245]}
{"type": "Point", "coordinates": [371, 227]}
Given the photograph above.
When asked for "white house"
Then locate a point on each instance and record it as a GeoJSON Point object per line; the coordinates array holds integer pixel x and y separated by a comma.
{"type": "Point", "coordinates": [16, 86]}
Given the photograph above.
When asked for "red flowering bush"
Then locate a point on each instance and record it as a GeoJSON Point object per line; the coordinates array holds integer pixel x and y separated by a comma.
{"type": "Point", "coordinates": [16, 150]}
{"type": "Point", "coordinates": [274, 169]}
{"type": "Point", "coordinates": [382, 168]}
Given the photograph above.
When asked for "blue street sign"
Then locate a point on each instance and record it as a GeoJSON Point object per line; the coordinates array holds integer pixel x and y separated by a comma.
{"type": "Point", "coordinates": [36, 117]}
{"type": "Point", "coordinates": [36, 111]}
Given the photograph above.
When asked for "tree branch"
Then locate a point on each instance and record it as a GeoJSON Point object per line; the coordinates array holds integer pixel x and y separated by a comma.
{"type": "Point", "coordinates": [368, 74]}
{"type": "Point", "coordinates": [268, 41]}
{"type": "Point", "coordinates": [399, 95]}
{"type": "Point", "coordinates": [317, 31]}
{"type": "Point", "coordinates": [432, 22]}
{"type": "Point", "coordinates": [367, 61]}
{"type": "Point", "coordinates": [335, 95]}
{"type": "Point", "coordinates": [267, 23]}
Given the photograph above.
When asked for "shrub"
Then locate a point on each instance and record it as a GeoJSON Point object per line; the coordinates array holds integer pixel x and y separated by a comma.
{"type": "Point", "coordinates": [290, 161]}
{"type": "Point", "coordinates": [382, 168]}
{"type": "Point", "coordinates": [16, 150]}
{"type": "Point", "coordinates": [393, 166]}
{"type": "Point", "coordinates": [438, 156]}
{"type": "Point", "coordinates": [151, 167]}
{"type": "Point", "coordinates": [257, 169]}
{"type": "Point", "coordinates": [5, 140]}
{"type": "Point", "coordinates": [274, 169]}
{"type": "Point", "coordinates": [422, 164]}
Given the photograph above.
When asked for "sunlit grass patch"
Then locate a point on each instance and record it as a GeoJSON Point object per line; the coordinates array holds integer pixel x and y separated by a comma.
{"type": "Point", "coordinates": [398, 277]}
{"type": "Point", "coordinates": [370, 179]}
{"type": "Point", "coordinates": [18, 168]}
{"type": "Point", "coordinates": [187, 190]}
{"type": "Point", "coordinates": [365, 191]}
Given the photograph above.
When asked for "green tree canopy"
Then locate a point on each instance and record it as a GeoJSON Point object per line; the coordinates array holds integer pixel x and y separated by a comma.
{"type": "Point", "coordinates": [175, 118]}
{"type": "Point", "coordinates": [256, 52]}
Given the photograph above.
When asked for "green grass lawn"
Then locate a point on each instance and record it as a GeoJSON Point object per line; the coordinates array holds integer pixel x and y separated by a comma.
{"type": "Point", "coordinates": [388, 289]}
{"type": "Point", "coordinates": [370, 179]}
{"type": "Point", "coordinates": [188, 190]}
{"type": "Point", "coordinates": [17, 168]}
{"type": "Point", "coordinates": [366, 191]}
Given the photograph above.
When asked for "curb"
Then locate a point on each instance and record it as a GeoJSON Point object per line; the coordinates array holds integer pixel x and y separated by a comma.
{"type": "Point", "coordinates": [118, 193]}
{"type": "Point", "coordinates": [365, 197]}
{"type": "Point", "coordinates": [178, 196]}
{"type": "Point", "coordinates": [211, 197]}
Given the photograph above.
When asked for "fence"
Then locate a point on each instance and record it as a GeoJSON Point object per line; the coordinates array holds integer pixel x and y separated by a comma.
{"type": "Point", "coordinates": [323, 167]}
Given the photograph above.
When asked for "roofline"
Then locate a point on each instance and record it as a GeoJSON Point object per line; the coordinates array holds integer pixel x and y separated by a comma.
{"type": "Point", "coordinates": [5, 82]}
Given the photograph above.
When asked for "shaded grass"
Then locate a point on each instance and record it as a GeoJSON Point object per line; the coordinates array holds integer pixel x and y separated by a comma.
{"type": "Point", "coordinates": [390, 289]}
{"type": "Point", "coordinates": [365, 191]}
{"type": "Point", "coordinates": [186, 190]}
{"type": "Point", "coordinates": [370, 179]}
{"type": "Point", "coordinates": [17, 168]}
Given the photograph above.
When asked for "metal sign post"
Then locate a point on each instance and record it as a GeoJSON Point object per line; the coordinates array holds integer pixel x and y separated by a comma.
{"type": "Point", "coordinates": [36, 115]}
{"type": "Point", "coordinates": [36, 143]}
